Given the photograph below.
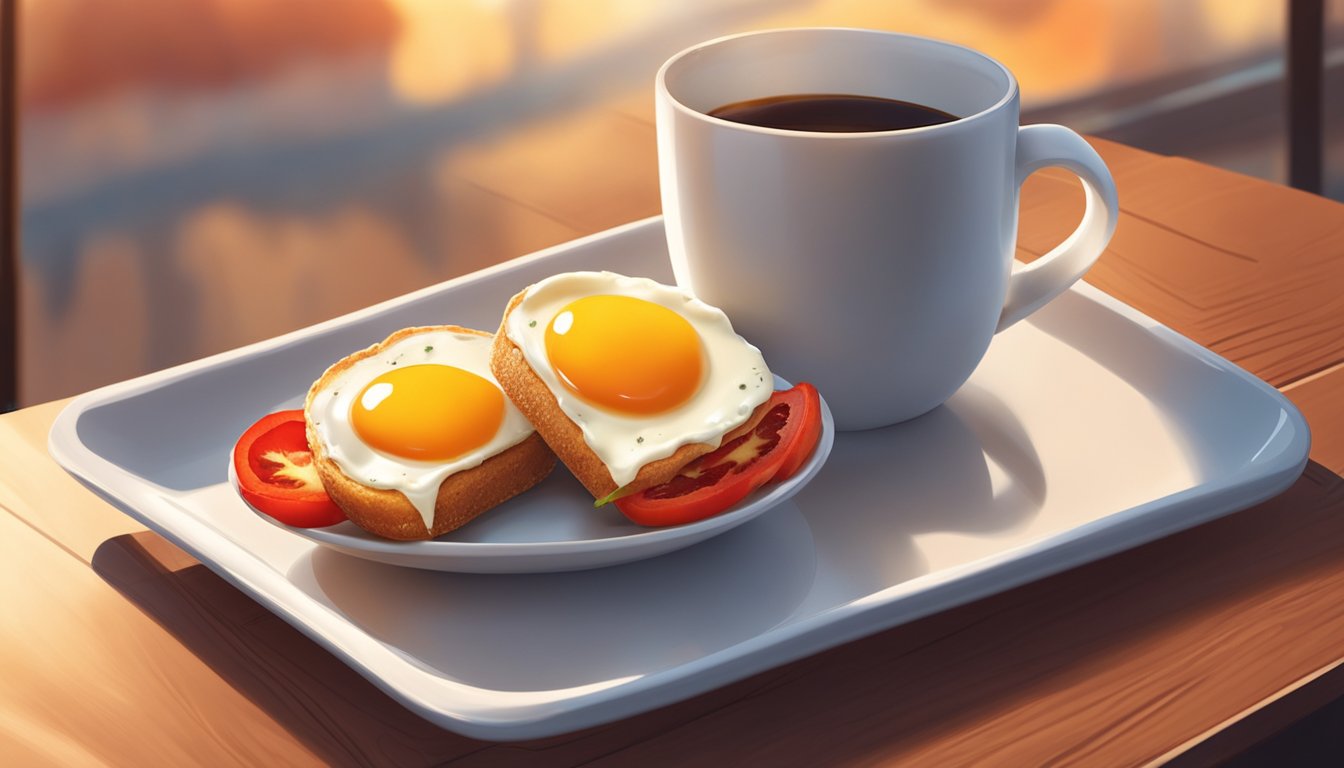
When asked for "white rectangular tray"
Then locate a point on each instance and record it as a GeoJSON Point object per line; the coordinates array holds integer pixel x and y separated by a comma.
{"type": "Point", "coordinates": [1088, 429]}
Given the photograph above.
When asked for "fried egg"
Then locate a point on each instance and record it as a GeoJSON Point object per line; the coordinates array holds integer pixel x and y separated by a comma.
{"type": "Point", "coordinates": [642, 368]}
{"type": "Point", "coordinates": [415, 412]}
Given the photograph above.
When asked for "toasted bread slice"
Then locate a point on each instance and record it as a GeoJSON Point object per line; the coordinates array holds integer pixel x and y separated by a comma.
{"type": "Point", "coordinates": [531, 395]}
{"type": "Point", "coordinates": [462, 496]}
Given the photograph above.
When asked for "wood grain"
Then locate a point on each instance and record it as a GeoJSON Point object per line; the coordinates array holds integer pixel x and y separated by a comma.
{"type": "Point", "coordinates": [1260, 721]}
{"type": "Point", "coordinates": [1118, 662]}
{"type": "Point", "coordinates": [1321, 399]}
{"type": "Point", "coordinates": [90, 680]}
{"type": "Point", "coordinates": [36, 490]}
{"type": "Point", "coordinates": [315, 698]}
{"type": "Point", "coordinates": [1246, 268]}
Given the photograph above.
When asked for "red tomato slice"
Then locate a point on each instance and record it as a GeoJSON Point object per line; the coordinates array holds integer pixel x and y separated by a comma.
{"type": "Point", "coordinates": [276, 473]}
{"type": "Point", "coordinates": [782, 440]}
{"type": "Point", "coordinates": [806, 402]}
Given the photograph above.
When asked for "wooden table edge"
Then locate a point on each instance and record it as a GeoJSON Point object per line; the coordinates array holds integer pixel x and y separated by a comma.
{"type": "Point", "coordinates": [1261, 720]}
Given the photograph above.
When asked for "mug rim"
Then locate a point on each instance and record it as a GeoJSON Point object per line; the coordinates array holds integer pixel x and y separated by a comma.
{"type": "Point", "coordinates": [660, 84]}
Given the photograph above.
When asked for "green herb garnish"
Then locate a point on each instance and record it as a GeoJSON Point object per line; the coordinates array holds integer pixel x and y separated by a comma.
{"type": "Point", "coordinates": [428, 350]}
{"type": "Point", "coordinates": [532, 324]}
{"type": "Point", "coordinates": [610, 497]}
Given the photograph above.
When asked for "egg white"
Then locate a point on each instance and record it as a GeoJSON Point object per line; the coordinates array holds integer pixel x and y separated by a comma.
{"type": "Point", "coordinates": [735, 381]}
{"type": "Point", "coordinates": [418, 481]}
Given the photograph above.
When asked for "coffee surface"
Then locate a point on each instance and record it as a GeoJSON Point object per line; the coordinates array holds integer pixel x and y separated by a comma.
{"type": "Point", "coordinates": [832, 113]}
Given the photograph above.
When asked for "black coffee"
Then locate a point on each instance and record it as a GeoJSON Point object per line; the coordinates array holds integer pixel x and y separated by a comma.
{"type": "Point", "coordinates": [832, 113]}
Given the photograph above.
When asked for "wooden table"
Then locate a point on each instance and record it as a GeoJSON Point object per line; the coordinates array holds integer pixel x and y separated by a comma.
{"type": "Point", "coordinates": [117, 647]}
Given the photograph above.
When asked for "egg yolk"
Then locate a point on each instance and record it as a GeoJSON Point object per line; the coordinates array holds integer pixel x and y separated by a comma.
{"type": "Point", "coordinates": [428, 412]}
{"type": "Point", "coordinates": [625, 354]}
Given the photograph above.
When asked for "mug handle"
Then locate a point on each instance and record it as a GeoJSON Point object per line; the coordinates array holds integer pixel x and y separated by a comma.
{"type": "Point", "coordinates": [1031, 286]}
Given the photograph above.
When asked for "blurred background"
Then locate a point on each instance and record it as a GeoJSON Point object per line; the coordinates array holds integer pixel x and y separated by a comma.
{"type": "Point", "coordinates": [200, 174]}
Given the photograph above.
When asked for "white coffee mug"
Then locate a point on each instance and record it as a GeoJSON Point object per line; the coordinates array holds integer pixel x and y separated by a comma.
{"type": "Point", "coordinates": [876, 265]}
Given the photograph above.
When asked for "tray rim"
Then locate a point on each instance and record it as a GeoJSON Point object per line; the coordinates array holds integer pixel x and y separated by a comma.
{"type": "Point", "coordinates": [512, 715]}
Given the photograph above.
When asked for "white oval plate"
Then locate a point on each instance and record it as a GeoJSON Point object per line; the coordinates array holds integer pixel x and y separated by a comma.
{"type": "Point", "coordinates": [554, 527]}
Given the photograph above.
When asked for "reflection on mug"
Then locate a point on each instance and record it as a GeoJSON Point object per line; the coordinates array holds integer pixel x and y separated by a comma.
{"type": "Point", "coordinates": [561, 630]}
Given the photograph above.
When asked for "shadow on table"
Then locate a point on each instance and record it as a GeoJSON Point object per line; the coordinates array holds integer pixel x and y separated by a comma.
{"type": "Point", "coordinates": [320, 701]}
{"type": "Point", "coordinates": [880, 697]}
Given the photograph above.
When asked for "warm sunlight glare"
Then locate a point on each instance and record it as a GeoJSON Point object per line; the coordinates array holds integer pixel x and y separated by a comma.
{"type": "Point", "coordinates": [568, 29]}
{"type": "Point", "coordinates": [449, 47]}
{"type": "Point", "coordinates": [1235, 23]}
